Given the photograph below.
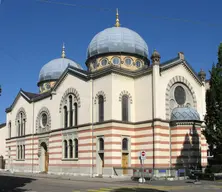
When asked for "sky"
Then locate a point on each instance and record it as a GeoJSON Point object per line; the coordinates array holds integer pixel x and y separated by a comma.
{"type": "Point", "coordinates": [32, 33]}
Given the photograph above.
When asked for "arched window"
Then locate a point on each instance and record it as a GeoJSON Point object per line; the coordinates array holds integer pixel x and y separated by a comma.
{"type": "Point", "coordinates": [9, 129]}
{"type": "Point", "coordinates": [65, 149]}
{"type": "Point", "coordinates": [101, 108]}
{"type": "Point", "coordinates": [21, 152]}
{"type": "Point", "coordinates": [125, 108]}
{"type": "Point", "coordinates": [18, 152]}
{"type": "Point", "coordinates": [65, 117]}
{"type": "Point", "coordinates": [101, 144]}
{"type": "Point", "coordinates": [76, 148]}
{"type": "Point", "coordinates": [70, 149]}
{"type": "Point", "coordinates": [76, 113]}
{"type": "Point", "coordinates": [70, 112]}
{"type": "Point", "coordinates": [21, 124]}
{"type": "Point", "coordinates": [125, 144]}
{"type": "Point", "coordinates": [18, 124]}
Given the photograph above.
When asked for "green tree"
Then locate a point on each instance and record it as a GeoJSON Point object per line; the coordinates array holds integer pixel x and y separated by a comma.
{"type": "Point", "coordinates": [213, 118]}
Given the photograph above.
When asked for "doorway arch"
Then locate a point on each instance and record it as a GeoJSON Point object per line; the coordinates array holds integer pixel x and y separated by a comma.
{"type": "Point", "coordinates": [44, 157]}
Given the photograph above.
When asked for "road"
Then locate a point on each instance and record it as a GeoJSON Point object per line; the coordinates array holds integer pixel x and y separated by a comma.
{"type": "Point", "coordinates": [28, 184]}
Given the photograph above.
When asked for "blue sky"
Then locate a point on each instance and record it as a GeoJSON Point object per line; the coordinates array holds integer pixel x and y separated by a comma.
{"type": "Point", "coordinates": [32, 33]}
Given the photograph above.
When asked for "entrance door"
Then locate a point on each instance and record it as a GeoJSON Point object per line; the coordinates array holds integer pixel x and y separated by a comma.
{"type": "Point", "coordinates": [44, 157]}
{"type": "Point", "coordinates": [101, 162]}
{"type": "Point", "coordinates": [125, 163]}
{"type": "Point", "coordinates": [46, 161]}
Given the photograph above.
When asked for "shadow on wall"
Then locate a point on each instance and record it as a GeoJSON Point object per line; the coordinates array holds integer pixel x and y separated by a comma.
{"type": "Point", "coordinates": [2, 162]}
{"type": "Point", "coordinates": [190, 156]}
{"type": "Point", "coordinates": [137, 190]}
{"type": "Point", "coordinates": [13, 184]}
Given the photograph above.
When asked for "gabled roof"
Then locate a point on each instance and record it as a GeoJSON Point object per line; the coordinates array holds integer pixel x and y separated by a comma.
{"type": "Point", "coordinates": [2, 125]}
{"type": "Point", "coordinates": [178, 61]}
{"type": "Point", "coordinates": [29, 97]}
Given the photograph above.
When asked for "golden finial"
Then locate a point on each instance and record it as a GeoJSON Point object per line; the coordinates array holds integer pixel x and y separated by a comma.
{"type": "Point", "coordinates": [63, 51]}
{"type": "Point", "coordinates": [117, 19]}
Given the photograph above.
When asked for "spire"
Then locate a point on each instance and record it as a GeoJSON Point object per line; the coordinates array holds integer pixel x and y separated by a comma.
{"type": "Point", "coordinates": [117, 19]}
{"type": "Point", "coordinates": [63, 51]}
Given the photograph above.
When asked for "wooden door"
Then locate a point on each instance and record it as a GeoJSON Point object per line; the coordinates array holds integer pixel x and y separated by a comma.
{"type": "Point", "coordinates": [102, 159]}
{"type": "Point", "coordinates": [125, 163]}
{"type": "Point", "coordinates": [46, 161]}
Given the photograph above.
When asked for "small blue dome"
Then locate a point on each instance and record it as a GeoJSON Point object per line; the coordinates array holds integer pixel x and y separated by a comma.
{"type": "Point", "coordinates": [184, 113]}
{"type": "Point", "coordinates": [53, 69]}
{"type": "Point", "coordinates": [117, 39]}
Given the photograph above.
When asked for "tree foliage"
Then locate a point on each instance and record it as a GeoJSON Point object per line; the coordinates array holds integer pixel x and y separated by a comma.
{"type": "Point", "coordinates": [213, 118]}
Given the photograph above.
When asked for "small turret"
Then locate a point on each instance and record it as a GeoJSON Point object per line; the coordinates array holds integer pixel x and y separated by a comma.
{"type": "Point", "coordinates": [202, 75]}
{"type": "Point", "coordinates": [155, 57]}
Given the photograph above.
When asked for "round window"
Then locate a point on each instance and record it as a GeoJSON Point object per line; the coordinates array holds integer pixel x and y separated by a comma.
{"type": "Point", "coordinates": [180, 95]}
{"type": "Point", "coordinates": [94, 64]}
{"type": "Point", "coordinates": [104, 62]}
{"type": "Point", "coordinates": [116, 60]}
{"type": "Point", "coordinates": [48, 86]}
{"type": "Point", "coordinates": [44, 119]}
{"type": "Point", "coordinates": [138, 63]}
{"type": "Point", "coordinates": [128, 61]}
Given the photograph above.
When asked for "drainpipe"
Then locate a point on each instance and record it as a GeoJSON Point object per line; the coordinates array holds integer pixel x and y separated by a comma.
{"type": "Point", "coordinates": [153, 126]}
{"type": "Point", "coordinates": [92, 124]}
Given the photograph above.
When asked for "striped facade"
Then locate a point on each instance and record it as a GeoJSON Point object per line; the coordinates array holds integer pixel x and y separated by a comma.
{"type": "Point", "coordinates": [96, 122]}
{"type": "Point", "coordinates": [161, 151]}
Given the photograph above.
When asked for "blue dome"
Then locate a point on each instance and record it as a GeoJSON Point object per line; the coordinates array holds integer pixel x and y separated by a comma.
{"type": "Point", "coordinates": [184, 113]}
{"type": "Point", "coordinates": [117, 39]}
{"type": "Point", "coordinates": [53, 69]}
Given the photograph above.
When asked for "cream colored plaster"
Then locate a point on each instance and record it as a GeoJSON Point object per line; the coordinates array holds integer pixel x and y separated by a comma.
{"type": "Point", "coordinates": [4, 135]}
{"type": "Point", "coordinates": [164, 80]}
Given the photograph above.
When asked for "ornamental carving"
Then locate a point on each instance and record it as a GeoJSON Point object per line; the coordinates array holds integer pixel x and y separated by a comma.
{"type": "Point", "coordinates": [97, 96]}
{"type": "Point", "coordinates": [125, 93]}
{"type": "Point", "coordinates": [69, 91]}
{"type": "Point", "coordinates": [21, 110]}
{"type": "Point", "coordinates": [173, 81]}
{"type": "Point", "coordinates": [46, 125]}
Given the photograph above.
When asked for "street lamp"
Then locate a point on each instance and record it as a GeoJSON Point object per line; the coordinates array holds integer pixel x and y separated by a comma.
{"type": "Point", "coordinates": [0, 90]}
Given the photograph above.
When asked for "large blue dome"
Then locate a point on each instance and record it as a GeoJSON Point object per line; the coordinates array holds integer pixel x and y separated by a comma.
{"type": "Point", "coordinates": [184, 113]}
{"type": "Point", "coordinates": [117, 39]}
{"type": "Point", "coordinates": [53, 69]}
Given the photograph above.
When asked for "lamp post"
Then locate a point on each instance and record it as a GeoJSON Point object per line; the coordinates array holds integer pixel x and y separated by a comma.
{"type": "Point", "coordinates": [0, 90]}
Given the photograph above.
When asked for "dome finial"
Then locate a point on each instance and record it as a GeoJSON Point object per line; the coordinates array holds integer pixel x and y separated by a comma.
{"type": "Point", "coordinates": [117, 19]}
{"type": "Point", "coordinates": [63, 51]}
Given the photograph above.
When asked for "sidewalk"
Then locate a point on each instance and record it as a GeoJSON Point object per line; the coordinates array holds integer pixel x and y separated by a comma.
{"type": "Point", "coordinates": [67, 177]}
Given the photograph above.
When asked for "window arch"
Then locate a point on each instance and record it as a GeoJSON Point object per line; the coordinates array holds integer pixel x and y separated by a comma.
{"type": "Point", "coordinates": [101, 108]}
{"type": "Point", "coordinates": [125, 144]}
{"type": "Point", "coordinates": [70, 111]}
{"type": "Point", "coordinates": [20, 122]}
{"type": "Point", "coordinates": [101, 144]}
{"type": "Point", "coordinates": [65, 149]}
{"type": "Point", "coordinates": [170, 102]}
{"type": "Point", "coordinates": [125, 108]}
{"type": "Point", "coordinates": [76, 148]}
{"type": "Point", "coordinates": [43, 120]}
{"type": "Point", "coordinates": [71, 100]}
